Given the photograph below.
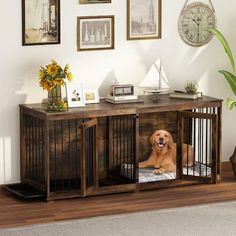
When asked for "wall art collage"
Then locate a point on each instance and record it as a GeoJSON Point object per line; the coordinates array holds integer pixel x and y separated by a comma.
{"type": "Point", "coordinates": [41, 23]}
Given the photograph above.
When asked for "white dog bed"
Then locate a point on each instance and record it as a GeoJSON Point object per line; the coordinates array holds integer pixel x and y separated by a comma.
{"type": "Point", "coordinates": [147, 175]}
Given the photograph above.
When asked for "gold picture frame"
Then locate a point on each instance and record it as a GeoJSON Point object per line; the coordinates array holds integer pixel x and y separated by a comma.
{"type": "Point", "coordinates": [144, 19]}
{"type": "Point", "coordinates": [95, 33]}
{"type": "Point", "coordinates": [91, 96]}
{"type": "Point", "coordinates": [93, 1]}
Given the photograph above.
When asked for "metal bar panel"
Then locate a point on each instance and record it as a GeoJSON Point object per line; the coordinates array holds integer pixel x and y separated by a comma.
{"type": "Point", "coordinates": [136, 147]}
{"type": "Point", "coordinates": [214, 150]}
{"type": "Point", "coordinates": [179, 161]}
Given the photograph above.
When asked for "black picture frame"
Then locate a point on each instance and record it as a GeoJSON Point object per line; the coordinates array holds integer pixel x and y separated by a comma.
{"type": "Point", "coordinates": [40, 22]}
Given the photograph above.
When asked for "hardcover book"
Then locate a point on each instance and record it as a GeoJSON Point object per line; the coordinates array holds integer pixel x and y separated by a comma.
{"type": "Point", "coordinates": [183, 95]}
{"type": "Point", "coordinates": [121, 98]}
{"type": "Point", "coordinates": [124, 101]}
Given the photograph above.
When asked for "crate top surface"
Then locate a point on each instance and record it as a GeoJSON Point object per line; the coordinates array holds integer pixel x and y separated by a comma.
{"type": "Point", "coordinates": [107, 109]}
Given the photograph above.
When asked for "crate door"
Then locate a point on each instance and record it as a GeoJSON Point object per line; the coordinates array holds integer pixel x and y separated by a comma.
{"type": "Point", "coordinates": [198, 137]}
{"type": "Point", "coordinates": [89, 160]}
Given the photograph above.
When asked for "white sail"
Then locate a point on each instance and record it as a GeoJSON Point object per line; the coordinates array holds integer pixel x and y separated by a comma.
{"type": "Point", "coordinates": [156, 79]}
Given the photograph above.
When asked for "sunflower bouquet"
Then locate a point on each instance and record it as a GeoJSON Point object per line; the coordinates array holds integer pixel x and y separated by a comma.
{"type": "Point", "coordinates": [51, 78]}
{"type": "Point", "coordinates": [53, 75]}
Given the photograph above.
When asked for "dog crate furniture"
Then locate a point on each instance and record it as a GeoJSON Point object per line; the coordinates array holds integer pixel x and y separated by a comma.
{"type": "Point", "coordinates": [96, 149]}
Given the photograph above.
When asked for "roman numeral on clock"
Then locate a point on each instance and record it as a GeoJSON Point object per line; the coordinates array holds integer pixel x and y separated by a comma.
{"type": "Point", "coordinates": [186, 32]}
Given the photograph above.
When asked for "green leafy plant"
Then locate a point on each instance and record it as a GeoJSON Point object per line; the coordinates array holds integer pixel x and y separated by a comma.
{"type": "Point", "coordinates": [230, 77]}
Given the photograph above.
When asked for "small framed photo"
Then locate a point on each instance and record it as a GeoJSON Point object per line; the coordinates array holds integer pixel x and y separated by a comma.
{"type": "Point", "coordinates": [143, 19]}
{"type": "Point", "coordinates": [93, 1]}
{"type": "Point", "coordinates": [40, 22]}
{"type": "Point", "coordinates": [75, 95]}
{"type": "Point", "coordinates": [95, 33]}
{"type": "Point", "coordinates": [91, 96]}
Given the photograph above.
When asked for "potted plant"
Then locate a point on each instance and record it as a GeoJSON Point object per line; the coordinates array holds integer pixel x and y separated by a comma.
{"type": "Point", "coordinates": [231, 79]}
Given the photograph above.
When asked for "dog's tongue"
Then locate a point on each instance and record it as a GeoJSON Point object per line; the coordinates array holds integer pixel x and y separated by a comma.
{"type": "Point", "coordinates": [160, 145]}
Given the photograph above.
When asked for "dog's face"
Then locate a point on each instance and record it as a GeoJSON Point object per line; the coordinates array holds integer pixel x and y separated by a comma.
{"type": "Point", "coordinates": [161, 139]}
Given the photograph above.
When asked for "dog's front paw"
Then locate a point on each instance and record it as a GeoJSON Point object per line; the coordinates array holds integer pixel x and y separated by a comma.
{"type": "Point", "coordinates": [157, 171]}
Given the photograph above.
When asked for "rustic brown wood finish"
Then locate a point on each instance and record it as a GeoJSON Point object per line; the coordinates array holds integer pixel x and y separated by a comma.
{"type": "Point", "coordinates": [80, 152]}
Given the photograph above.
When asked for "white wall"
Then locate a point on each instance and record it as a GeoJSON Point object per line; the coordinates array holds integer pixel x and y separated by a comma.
{"type": "Point", "coordinates": [127, 63]}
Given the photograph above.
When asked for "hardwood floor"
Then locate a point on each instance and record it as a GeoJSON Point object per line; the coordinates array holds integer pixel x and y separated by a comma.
{"type": "Point", "coordinates": [17, 212]}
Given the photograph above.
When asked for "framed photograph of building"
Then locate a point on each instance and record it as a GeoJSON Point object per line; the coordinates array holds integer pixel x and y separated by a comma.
{"type": "Point", "coordinates": [95, 33]}
{"type": "Point", "coordinates": [75, 94]}
{"type": "Point", "coordinates": [93, 1]}
{"type": "Point", "coordinates": [143, 19]}
{"type": "Point", "coordinates": [91, 96]}
{"type": "Point", "coordinates": [40, 22]}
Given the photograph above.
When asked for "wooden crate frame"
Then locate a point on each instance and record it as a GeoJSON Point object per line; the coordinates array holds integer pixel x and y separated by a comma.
{"type": "Point", "coordinates": [37, 131]}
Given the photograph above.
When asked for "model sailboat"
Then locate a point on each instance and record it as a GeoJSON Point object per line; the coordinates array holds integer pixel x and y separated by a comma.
{"type": "Point", "coordinates": [155, 81]}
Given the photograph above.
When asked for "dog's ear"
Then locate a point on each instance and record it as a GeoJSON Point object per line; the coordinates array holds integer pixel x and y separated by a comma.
{"type": "Point", "coordinates": [171, 141]}
{"type": "Point", "coordinates": [152, 141]}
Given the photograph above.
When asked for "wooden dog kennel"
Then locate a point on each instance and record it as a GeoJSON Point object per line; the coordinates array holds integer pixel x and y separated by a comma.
{"type": "Point", "coordinates": [95, 150]}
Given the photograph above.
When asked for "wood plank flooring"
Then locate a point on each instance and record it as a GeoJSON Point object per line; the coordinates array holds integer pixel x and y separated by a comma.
{"type": "Point", "coordinates": [16, 212]}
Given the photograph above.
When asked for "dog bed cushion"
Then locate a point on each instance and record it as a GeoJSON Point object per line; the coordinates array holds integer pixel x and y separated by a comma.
{"type": "Point", "coordinates": [147, 175]}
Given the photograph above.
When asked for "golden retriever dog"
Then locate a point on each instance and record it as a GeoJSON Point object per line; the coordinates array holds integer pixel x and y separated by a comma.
{"type": "Point", "coordinates": [163, 156]}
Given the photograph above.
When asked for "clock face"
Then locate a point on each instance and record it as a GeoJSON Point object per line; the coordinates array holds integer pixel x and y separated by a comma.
{"type": "Point", "coordinates": [193, 23]}
{"type": "Point", "coordinates": [122, 90]}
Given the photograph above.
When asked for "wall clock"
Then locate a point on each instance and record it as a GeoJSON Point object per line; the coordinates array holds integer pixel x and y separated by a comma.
{"type": "Point", "coordinates": [194, 20]}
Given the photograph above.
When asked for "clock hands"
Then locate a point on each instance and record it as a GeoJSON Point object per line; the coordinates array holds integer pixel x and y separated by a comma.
{"type": "Point", "coordinates": [197, 21]}
{"type": "Point", "coordinates": [198, 24]}
{"type": "Point", "coordinates": [198, 32]}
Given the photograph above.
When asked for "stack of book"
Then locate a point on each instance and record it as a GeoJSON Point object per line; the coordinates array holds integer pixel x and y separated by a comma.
{"type": "Point", "coordinates": [184, 95]}
{"type": "Point", "coordinates": [123, 99]}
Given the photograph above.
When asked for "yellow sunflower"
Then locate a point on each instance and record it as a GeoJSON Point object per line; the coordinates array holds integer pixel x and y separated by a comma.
{"type": "Point", "coordinates": [66, 70]}
{"type": "Point", "coordinates": [69, 76]}
{"type": "Point", "coordinates": [52, 69]}
{"type": "Point", "coordinates": [54, 62]}
{"type": "Point", "coordinates": [45, 85]}
{"type": "Point", "coordinates": [41, 73]}
{"type": "Point", "coordinates": [58, 81]}
{"type": "Point", "coordinates": [53, 75]}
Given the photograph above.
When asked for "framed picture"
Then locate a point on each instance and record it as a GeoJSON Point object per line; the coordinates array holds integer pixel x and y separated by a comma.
{"type": "Point", "coordinates": [93, 1]}
{"type": "Point", "coordinates": [40, 22]}
{"type": "Point", "coordinates": [143, 19]}
{"type": "Point", "coordinates": [91, 96]}
{"type": "Point", "coordinates": [95, 33]}
{"type": "Point", "coordinates": [75, 95]}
